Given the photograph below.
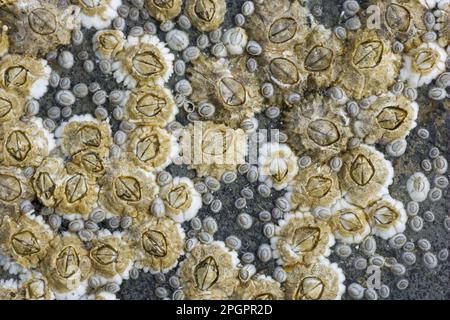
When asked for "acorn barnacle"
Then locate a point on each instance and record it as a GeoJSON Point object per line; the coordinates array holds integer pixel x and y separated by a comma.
{"type": "Point", "coordinates": [349, 223]}
{"type": "Point", "coordinates": [12, 106]}
{"type": "Point", "coordinates": [46, 178]}
{"type": "Point", "coordinates": [443, 22]}
{"type": "Point", "coordinates": [163, 10]}
{"type": "Point", "coordinates": [301, 238]}
{"type": "Point", "coordinates": [260, 288]}
{"type": "Point", "coordinates": [14, 189]}
{"type": "Point", "coordinates": [35, 287]}
{"type": "Point", "coordinates": [108, 43]}
{"type": "Point", "coordinates": [98, 13]}
{"type": "Point", "coordinates": [4, 40]}
{"type": "Point", "coordinates": [206, 15]}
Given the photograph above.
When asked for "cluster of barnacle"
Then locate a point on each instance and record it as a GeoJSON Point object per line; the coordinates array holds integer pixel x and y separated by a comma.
{"type": "Point", "coordinates": [346, 91]}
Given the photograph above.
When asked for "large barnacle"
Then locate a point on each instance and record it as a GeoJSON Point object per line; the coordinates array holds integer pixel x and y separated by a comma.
{"type": "Point", "coordinates": [36, 287]}
{"type": "Point", "coordinates": [127, 189]}
{"type": "Point", "coordinates": [302, 238]}
{"type": "Point", "coordinates": [365, 175]}
{"type": "Point", "coordinates": [157, 243]}
{"type": "Point", "coordinates": [212, 149]}
{"type": "Point", "coordinates": [12, 106]}
{"type": "Point", "coordinates": [144, 60]}
{"type": "Point", "coordinates": [163, 10]}
{"type": "Point", "coordinates": [228, 86]}
{"type": "Point", "coordinates": [206, 15]}
{"type": "Point", "coordinates": [314, 187]}
{"type": "Point", "coordinates": [67, 267]}
{"type": "Point", "coordinates": [108, 43]}
{"type": "Point", "coordinates": [261, 288]}
{"type": "Point", "coordinates": [39, 26]}
{"type": "Point", "coordinates": [389, 118]}
{"type": "Point", "coordinates": [319, 281]}
{"type": "Point", "coordinates": [349, 223]}
{"type": "Point", "coordinates": [209, 272]}
{"type": "Point", "coordinates": [371, 66]}
{"type": "Point", "coordinates": [98, 13]}
{"type": "Point", "coordinates": [14, 189]}
{"type": "Point", "coordinates": [46, 178]}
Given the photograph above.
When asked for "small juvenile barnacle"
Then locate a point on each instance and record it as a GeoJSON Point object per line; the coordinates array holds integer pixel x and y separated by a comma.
{"type": "Point", "coordinates": [181, 200]}
{"type": "Point", "coordinates": [228, 85]}
{"type": "Point", "coordinates": [365, 175]}
{"type": "Point", "coordinates": [67, 267]}
{"type": "Point", "coordinates": [387, 217]}
{"type": "Point", "coordinates": [209, 272]}
{"type": "Point", "coordinates": [14, 189]}
{"type": "Point", "coordinates": [423, 64]}
{"type": "Point", "coordinates": [261, 288]}
{"type": "Point", "coordinates": [371, 66]}
{"type": "Point", "coordinates": [349, 223]}
{"type": "Point", "coordinates": [301, 238]}
{"type": "Point", "coordinates": [206, 15]}
{"type": "Point", "coordinates": [389, 118]}
{"type": "Point", "coordinates": [25, 239]}
{"type": "Point", "coordinates": [12, 106]}
{"type": "Point", "coordinates": [108, 43]}
{"type": "Point", "coordinates": [157, 244]}
{"type": "Point", "coordinates": [24, 75]}
{"type": "Point", "coordinates": [313, 187]}
{"type": "Point", "coordinates": [163, 10]}
{"type": "Point", "coordinates": [98, 13]}
{"type": "Point", "coordinates": [277, 165]}
{"type": "Point", "coordinates": [35, 287]}
{"type": "Point", "coordinates": [126, 189]}
{"type": "Point", "coordinates": [320, 281]}
{"type": "Point", "coordinates": [144, 60]}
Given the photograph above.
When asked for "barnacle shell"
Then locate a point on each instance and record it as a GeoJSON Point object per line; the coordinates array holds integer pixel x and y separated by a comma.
{"type": "Point", "coordinates": [14, 189]}
{"type": "Point", "coordinates": [46, 178]}
{"type": "Point", "coordinates": [209, 272]}
{"type": "Point", "coordinates": [108, 43]}
{"type": "Point", "coordinates": [443, 22]}
{"type": "Point", "coordinates": [212, 149]}
{"type": "Point", "coordinates": [98, 13]}
{"type": "Point", "coordinates": [423, 64]}
{"type": "Point", "coordinates": [319, 281]}
{"type": "Point", "coordinates": [9, 290]}
{"type": "Point", "coordinates": [127, 190]}
{"type": "Point", "coordinates": [349, 223]}
{"type": "Point", "coordinates": [39, 26]}
{"type": "Point", "coordinates": [11, 106]}
{"type": "Point", "coordinates": [144, 60]}
{"type": "Point", "coordinates": [181, 200]}
{"type": "Point", "coordinates": [26, 76]}
{"type": "Point", "coordinates": [228, 86]}
{"type": "Point", "coordinates": [371, 66]}
{"type": "Point", "coordinates": [301, 238]}
{"type": "Point", "coordinates": [152, 105]}
{"type": "Point", "coordinates": [314, 186]}
{"type": "Point", "coordinates": [365, 175]}
{"type": "Point", "coordinates": [261, 288]}
{"type": "Point", "coordinates": [67, 266]}
{"type": "Point", "coordinates": [4, 40]}
{"type": "Point", "coordinates": [36, 288]}
{"type": "Point", "coordinates": [389, 118]}
{"type": "Point", "coordinates": [206, 15]}
{"type": "Point", "coordinates": [277, 165]}
{"type": "Point", "coordinates": [158, 244]}
{"type": "Point", "coordinates": [163, 10]}
{"type": "Point", "coordinates": [387, 217]}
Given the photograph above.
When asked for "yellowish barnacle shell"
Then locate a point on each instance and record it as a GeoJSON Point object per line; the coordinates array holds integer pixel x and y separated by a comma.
{"type": "Point", "coordinates": [39, 26]}
{"type": "Point", "coordinates": [313, 187]}
{"type": "Point", "coordinates": [111, 256]}
{"type": "Point", "coordinates": [371, 66]}
{"type": "Point", "coordinates": [127, 189]}
{"type": "Point", "coordinates": [36, 288]}
{"type": "Point", "coordinates": [228, 86]}
{"type": "Point", "coordinates": [212, 149]}
{"type": "Point", "coordinates": [157, 243]}
{"type": "Point", "coordinates": [206, 15]}
{"type": "Point", "coordinates": [302, 238]}
{"type": "Point", "coordinates": [365, 175]}
{"type": "Point", "coordinates": [163, 10]}
{"type": "Point", "coordinates": [23, 144]}
{"type": "Point", "coordinates": [98, 13]}
{"type": "Point", "coordinates": [151, 147]}
{"type": "Point", "coordinates": [261, 288]}
{"type": "Point", "coordinates": [90, 161]}
{"type": "Point", "coordinates": [108, 43]}
{"type": "Point", "coordinates": [277, 165]}
{"type": "Point", "coordinates": [209, 272]}
{"type": "Point", "coordinates": [389, 118]}
{"type": "Point", "coordinates": [9, 290]}
{"type": "Point", "coordinates": [150, 105]}
{"type": "Point", "coordinates": [47, 177]}
{"type": "Point", "coordinates": [318, 127]}
{"type": "Point", "coordinates": [67, 264]}
{"type": "Point", "coordinates": [11, 106]}
{"type": "Point", "coordinates": [319, 281]}
{"type": "Point", "coordinates": [4, 40]}
{"type": "Point", "coordinates": [349, 223]}
{"type": "Point", "coordinates": [14, 189]}
{"type": "Point", "coordinates": [387, 217]}
{"type": "Point", "coordinates": [25, 239]}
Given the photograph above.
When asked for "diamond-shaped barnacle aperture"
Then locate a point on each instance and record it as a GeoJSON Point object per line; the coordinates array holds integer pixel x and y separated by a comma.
{"type": "Point", "coordinates": [14, 189]}
{"type": "Point", "coordinates": [209, 272]}
{"type": "Point", "coordinates": [365, 175]}
{"type": "Point", "coordinates": [12, 106]}
{"type": "Point", "coordinates": [157, 244]}
{"type": "Point", "coordinates": [92, 162]}
{"type": "Point", "coordinates": [319, 281]}
{"type": "Point", "coordinates": [127, 189]}
{"type": "Point", "coordinates": [260, 288]}
{"type": "Point", "coordinates": [371, 66]}
{"type": "Point", "coordinates": [301, 238]}
{"type": "Point", "coordinates": [36, 288]}
{"type": "Point", "coordinates": [108, 43]}
{"type": "Point", "coordinates": [389, 118]}
{"type": "Point", "coordinates": [67, 266]}
{"type": "Point", "coordinates": [98, 13]}
{"type": "Point", "coordinates": [47, 177]}
{"type": "Point", "coordinates": [387, 217]}
{"type": "Point", "coordinates": [25, 239]}
{"type": "Point", "coordinates": [163, 10]}
{"type": "Point", "coordinates": [349, 223]}
{"type": "Point", "coordinates": [206, 15]}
